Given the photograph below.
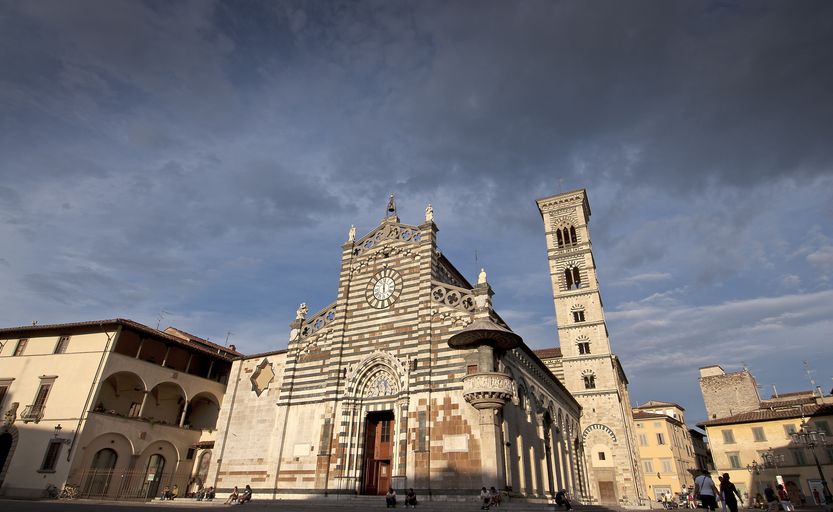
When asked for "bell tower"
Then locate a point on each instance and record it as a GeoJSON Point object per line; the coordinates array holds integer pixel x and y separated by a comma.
{"type": "Point", "coordinates": [592, 373]}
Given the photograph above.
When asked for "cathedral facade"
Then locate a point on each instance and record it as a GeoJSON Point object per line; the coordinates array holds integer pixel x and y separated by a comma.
{"type": "Point", "coordinates": [408, 379]}
{"type": "Point", "coordinates": [585, 362]}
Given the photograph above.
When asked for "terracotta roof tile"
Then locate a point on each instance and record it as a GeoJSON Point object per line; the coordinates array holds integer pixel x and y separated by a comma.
{"type": "Point", "coordinates": [26, 330]}
{"type": "Point", "coordinates": [548, 353]}
{"type": "Point", "coordinates": [210, 344]}
{"type": "Point", "coordinates": [772, 414]}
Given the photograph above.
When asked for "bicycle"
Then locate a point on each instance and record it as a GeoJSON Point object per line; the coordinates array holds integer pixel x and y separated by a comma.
{"type": "Point", "coordinates": [51, 491]}
{"type": "Point", "coordinates": [70, 492]}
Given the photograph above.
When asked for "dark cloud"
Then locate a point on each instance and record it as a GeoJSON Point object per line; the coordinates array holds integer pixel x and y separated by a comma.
{"type": "Point", "coordinates": [207, 158]}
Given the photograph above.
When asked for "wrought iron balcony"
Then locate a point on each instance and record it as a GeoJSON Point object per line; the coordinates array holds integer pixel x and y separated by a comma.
{"type": "Point", "coordinates": [32, 412]}
{"type": "Point", "coordinates": [487, 390]}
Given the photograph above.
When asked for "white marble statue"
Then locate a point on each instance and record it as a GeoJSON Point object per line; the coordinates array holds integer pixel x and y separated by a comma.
{"type": "Point", "coordinates": [351, 235]}
{"type": "Point", "coordinates": [481, 278]}
{"type": "Point", "coordinates": [301, 313]}
{"type": "Point", "coordinates": [429, 213]}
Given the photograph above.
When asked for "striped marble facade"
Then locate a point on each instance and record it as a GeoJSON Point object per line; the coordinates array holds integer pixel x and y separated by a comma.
{"type": "Point", "coordinates": [293, 421]}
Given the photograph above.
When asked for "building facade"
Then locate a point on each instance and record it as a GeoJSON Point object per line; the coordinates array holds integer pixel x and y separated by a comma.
{"type": "Point", "coordinates": [666, 450]}
{"type": "Point", "coordinates": [113, 407]}
{"type": "Point", "coordinates": [409, 378]}
{"type": "Point", "coordinates": [751, 439]}
{"type": "Point", "coordinates": [592, 373]}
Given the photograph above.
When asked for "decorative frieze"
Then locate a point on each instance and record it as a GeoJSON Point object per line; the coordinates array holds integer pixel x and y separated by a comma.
{"type": "Point", "coordinates": [319, 320]}
{"type": "Point", "coordinates": [488, 390]}
{"type": "Point", "coordinates": [385, 232]}
{"type": "Point", "coordinates": [458, 298]}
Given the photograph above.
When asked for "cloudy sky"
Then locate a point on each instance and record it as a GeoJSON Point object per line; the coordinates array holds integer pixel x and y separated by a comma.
{"type": "Point", "coordinates": [204, 161]}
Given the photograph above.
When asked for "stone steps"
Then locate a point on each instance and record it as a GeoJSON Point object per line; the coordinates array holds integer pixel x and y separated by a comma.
{"type": "Point", "coordinates": [370, 503]}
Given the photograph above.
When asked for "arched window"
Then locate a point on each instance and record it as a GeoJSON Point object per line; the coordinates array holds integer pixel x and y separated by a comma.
{"type": "Point", "coordinates": [589, 381]}
{"type": "Point", "coordinates": [559, 238]}
{"type": "Point", "coordinates": [153, 474]}
{"type": "Point", "coordinates": [583, 343]}
{"type": "Point", "coordinates": [572, 278]}
{"type": "Point", "coordinates": [100, 472]}
{"type": "Point", "coordinates": [573, 239]}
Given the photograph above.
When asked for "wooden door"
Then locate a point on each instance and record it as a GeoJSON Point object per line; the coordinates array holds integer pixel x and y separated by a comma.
{"type": "Point", "coordinates": [607, 492]}
{"type": "Point", "coordinates": [378, 452]}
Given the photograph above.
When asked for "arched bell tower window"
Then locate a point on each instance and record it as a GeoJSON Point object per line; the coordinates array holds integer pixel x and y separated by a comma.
{"type": "Point", "coordinates": [583, 344]}
{"type": "Point", "coordinates": [566, 236]}
{"type": "Point", "coordinates": [589, 380]}
{"type": "Point", "coordinates": [572, 278]}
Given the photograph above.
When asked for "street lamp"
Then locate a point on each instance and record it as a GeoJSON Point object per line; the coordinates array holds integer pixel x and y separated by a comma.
{"type": "Point", "coordinates": [771, 459]}
{"type": "Point", "coordinates": [811, 438]}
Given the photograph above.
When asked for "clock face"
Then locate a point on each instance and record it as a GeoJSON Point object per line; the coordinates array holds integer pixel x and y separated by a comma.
{"type": "Point", "coordinates": [384, 288]}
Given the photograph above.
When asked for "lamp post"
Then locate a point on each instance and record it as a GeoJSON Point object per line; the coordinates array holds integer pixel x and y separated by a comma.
{"type": "Point", "coordinates": [811, 438]}
{"type": "Point", "coordinates": [771, 459]}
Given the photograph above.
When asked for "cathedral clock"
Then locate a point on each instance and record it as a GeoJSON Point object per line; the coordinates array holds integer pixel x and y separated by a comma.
{"type": "Point", "coordinates": [384, 288]}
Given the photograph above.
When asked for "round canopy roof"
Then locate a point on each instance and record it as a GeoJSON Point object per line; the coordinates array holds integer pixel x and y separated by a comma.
{"type": "Point", "coordinates": [484, 331]}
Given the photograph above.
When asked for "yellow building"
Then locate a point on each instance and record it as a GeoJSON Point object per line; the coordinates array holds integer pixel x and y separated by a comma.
{"type": "Point", "coordinates": [114, 407]}
{"type": "Point", "coordinates": [751, 438]}
{"type": "Point", "coordinates": [665, 448]}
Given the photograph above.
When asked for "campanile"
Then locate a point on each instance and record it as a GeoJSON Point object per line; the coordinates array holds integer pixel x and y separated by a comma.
{"type": "Point", "coordinates": [592, 372]}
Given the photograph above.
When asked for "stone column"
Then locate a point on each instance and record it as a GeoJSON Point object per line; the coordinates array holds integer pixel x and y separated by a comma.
{"type": "Point", "coordinates": [488, 392]}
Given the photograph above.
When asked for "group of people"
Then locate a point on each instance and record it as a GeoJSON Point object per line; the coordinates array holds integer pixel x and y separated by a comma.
{"type": "Point", "coordinates": [206, 494]}
{"type": "Point", "coordinates": [489, 498]}
{"type": "Point", "coordinates": [776, 497]}
{"type": "Point", "coordinates": [170, 493]}
{"type": "Point", "coordinates": [239, 497]}
{"type": "Point", "coordinates": [708, 492]}
{"type": "Point", "coordinates": [410, 498]}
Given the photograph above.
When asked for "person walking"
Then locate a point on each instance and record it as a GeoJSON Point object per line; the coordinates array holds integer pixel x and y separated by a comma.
{"type": "Point", "coordinates": [786, 504]}
{"type": "Point", "coordinates": [729, 491]}
{"type": "Point", "coordinates": [771, 499]}
{"type": "Point", "coordinates": [705, 489]}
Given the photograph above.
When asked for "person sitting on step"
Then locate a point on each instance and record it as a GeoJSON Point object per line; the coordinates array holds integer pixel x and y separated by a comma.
{"type": "Point", "coordinates": [494, 497]}
{"type": "Point", "coordinates": [245, 496]}
{"type": "Point", "coordinates": [410, 498]}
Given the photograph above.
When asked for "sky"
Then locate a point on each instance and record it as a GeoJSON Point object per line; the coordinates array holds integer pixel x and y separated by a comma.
{"type": "Point", "coordinates": [199, 164]}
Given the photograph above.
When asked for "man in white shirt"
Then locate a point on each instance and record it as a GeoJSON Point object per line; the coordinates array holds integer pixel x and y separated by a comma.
{"type": "Point", "coordinates": [705, 489]}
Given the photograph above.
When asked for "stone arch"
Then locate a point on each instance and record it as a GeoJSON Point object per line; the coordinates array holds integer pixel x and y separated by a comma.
{"type": "Point", "coordinates": [121, 393]}
{"type": "Point", "coordinates": [598, 426]}
{"type": "Point", "coordinates": [523, 397]}
{"type": "Point", "coordinates": [375, 366]}
{"type": "Point", "coordinates": [203, 410]}
{"type": "Point", "coordinates": [379, 382]}
{"type": "Point", "coordinates": [122, 444]}
{"type": "Point", "coordinates": [165, 403]}
{"type": "Point", "coordinates": [8, 435]}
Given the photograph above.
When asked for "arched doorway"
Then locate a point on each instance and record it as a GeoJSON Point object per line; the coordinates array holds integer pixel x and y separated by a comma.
{"type": "Point", "coordinates": [101, 470]}
{"type": "Point", "coordinates": [153, 475]}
